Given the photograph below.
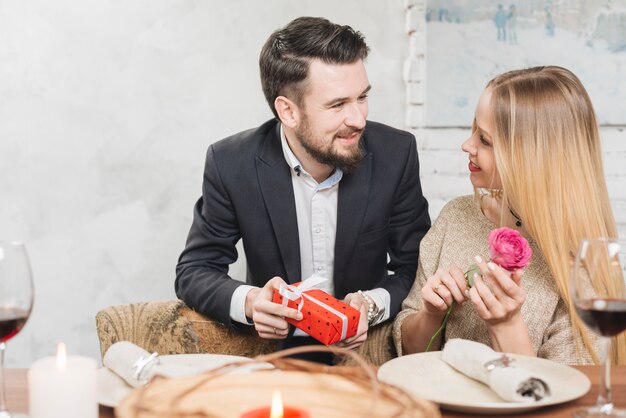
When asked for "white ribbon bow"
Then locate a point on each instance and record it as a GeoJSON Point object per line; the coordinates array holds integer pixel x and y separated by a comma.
{"type": "Point", "coordinates": [294, 293]}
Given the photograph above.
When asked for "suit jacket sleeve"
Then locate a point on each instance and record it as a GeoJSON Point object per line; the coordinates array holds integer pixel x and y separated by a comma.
{"type": "Point", "coordinates": [408, 224]}
{"type": "Point", "coordinates": [202, 279]}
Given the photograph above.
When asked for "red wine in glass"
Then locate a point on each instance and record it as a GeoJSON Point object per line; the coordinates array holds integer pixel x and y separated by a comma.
{"type": "Point", "coordinates": [11, 322]}
{"type": "Point", "coordinates": [16, 302]}
{"type": "Point", "coordinates": [606, 317]}
{"type": "Point", "coordinates": [598, 290]}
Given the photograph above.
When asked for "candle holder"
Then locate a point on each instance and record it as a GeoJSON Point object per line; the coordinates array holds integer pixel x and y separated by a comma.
{"type": "Point", "coordinates": [277, 410]}
{"type": "Point", "coordinates": [265, 412]}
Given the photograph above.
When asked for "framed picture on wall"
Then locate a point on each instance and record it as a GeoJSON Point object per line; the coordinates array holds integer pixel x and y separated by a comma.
{"type": "Point", "coordinates": [471, 41]}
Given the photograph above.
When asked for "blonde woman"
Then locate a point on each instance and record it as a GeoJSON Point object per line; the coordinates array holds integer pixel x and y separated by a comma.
{"type": "Point", "coordinates": [536, 165]}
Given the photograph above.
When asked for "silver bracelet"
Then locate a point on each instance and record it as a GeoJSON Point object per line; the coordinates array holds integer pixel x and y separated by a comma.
{"type": "Point", "coordinates": [372, 308]}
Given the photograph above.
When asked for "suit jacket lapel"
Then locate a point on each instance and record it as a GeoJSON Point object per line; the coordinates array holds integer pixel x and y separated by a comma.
{"type": "Point", "coordinates": [354, 190]}
{"type": "Point", "coordinates": [277, 189]}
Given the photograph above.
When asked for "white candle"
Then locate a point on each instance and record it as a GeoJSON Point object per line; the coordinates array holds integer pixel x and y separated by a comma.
{"type": "Point", "coordinates": [64, 386]}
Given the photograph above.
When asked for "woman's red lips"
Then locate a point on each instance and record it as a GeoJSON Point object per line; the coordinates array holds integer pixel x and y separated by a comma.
{"type": "Point", "coordinates": [472, 167]}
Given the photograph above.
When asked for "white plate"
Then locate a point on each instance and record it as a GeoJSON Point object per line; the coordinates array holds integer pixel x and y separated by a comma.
{"type": "Point", "coordinates": [427, 376]}
{"type": "Point", "coordinates": [112, 388]}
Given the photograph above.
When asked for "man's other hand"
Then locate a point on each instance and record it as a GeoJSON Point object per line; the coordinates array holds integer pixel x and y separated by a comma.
{"type": "Point", "coordinates": [357, 302]}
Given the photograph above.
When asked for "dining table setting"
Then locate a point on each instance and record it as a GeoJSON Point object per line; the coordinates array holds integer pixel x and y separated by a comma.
{"type": "Point", "coordinates": [17, 390]}
{"type": "Point", "coordinates": [464, 379]}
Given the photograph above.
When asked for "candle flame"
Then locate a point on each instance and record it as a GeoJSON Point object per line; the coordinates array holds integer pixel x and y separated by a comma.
{"type": "Point", "coordinates": [61, 357]}
{"type": "Point", "coordinates": [277, 405]}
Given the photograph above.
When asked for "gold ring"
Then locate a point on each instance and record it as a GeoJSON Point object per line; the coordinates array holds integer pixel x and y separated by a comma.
{"type": "Point", "coordinates": [275, 332]}
{"type": "Point", "coordinates": [436, 288]}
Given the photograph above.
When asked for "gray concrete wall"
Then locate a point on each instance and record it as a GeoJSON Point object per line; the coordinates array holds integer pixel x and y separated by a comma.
{"type": "Point", "coordinates": [106, 111]}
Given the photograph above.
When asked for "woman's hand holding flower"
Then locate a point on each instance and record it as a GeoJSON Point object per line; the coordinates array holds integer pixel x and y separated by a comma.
{"type": "Point", "coordinates": [497, 296]}
{"type": "Point", "coordinates": [495, 292]}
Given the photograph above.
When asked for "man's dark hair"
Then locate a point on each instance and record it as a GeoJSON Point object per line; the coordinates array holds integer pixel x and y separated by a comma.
{"type": "Point", "coordinates": [287, 54]}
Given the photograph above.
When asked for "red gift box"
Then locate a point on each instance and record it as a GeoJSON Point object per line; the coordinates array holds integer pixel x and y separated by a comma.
{"type": "Point", "coordinates": [325, 318]}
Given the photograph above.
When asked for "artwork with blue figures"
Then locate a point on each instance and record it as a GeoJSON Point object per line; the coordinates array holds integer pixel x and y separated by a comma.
{"type": "Point", "coordinates": [470, 41]}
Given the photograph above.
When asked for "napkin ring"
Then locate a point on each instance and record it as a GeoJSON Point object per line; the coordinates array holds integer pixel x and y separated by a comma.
{"type": "Point", "coordinates": [500, 362]}
{"type": "Point", "coordinates": [143, 366]}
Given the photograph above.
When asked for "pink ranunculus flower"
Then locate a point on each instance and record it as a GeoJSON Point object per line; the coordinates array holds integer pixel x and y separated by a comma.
{"type": "Point", "coordinates": [509, 249]}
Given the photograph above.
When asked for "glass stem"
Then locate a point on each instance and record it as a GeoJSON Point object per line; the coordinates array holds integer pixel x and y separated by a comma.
{"type": "Point", "coordinates": [605, 402]}
{"type": "Point", "coordinates": [3, 401]}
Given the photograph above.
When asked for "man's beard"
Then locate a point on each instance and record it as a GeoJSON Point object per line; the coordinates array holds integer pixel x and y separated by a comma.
{"type": "Point", "coordinates": [325, 154]}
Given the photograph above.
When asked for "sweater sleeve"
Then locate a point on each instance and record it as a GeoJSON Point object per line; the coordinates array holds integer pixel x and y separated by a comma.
{"type": "Point", "coordinates": [430, 250]}
{"type": "Point", "coordinates": [559, 343]}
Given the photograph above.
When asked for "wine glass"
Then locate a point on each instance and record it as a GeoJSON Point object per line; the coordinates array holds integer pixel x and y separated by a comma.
{"type": "Point", "coordinates": [16, 302]}
{"type": "Point", "coordinates": [598, 290]}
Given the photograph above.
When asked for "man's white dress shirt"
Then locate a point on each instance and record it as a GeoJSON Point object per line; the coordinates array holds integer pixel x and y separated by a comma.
{"type": "Point", "coordinates": [316, 211]}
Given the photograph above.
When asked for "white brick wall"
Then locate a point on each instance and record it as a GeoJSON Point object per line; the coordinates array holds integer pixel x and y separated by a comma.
{"type": "Point", "coordinates": [442, 163]}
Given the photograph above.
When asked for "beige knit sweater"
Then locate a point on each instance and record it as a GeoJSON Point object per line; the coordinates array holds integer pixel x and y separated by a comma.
{"type": "Point", "coordinates": [459, 234]}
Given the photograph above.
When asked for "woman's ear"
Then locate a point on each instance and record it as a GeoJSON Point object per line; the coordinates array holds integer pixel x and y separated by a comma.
{"type": "Point", "coordinates": [288, 111]}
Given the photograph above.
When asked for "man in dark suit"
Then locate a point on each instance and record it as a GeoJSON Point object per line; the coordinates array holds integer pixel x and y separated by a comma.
{"type": "Point", "coordinates": [317, 190]}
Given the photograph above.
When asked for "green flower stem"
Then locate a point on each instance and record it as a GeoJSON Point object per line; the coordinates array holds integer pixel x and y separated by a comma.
{"type": "Point", "coordinates": [443, 325]}
{"type": "Point", "coordinates": [469, 278]}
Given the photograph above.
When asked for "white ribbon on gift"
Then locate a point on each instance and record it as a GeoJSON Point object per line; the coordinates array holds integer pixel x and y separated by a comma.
{"type": "Point", "coordinates": [294, 293]}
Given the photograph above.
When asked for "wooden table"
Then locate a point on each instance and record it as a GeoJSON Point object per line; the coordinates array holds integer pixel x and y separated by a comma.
{"type": "Point", "coordinates": [17, 395]}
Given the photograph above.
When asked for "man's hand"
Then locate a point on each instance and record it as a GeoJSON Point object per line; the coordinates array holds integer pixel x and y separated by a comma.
{"type": "Point", "coordinates": [269, 317]}
{"type": "Point", "coordinates": [357, 302]}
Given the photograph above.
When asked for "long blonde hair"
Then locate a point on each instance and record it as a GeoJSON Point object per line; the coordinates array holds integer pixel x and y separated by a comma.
{"type": "Point", "coordinates": [548, 153]}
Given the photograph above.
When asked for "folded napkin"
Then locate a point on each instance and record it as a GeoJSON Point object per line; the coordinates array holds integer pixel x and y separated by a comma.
{"type": "Point", "coordinates": [136, 366]}
{"type": "Point", "coordinates": [511, 383]}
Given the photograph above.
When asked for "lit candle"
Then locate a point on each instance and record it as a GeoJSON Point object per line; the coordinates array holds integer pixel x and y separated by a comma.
{"type": "Point", "coordinates": [64, 386]}
{"type": "Point", "coordinates": [277, 410]}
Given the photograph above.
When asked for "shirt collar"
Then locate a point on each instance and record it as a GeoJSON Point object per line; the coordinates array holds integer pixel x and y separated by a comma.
{"type": "Point", "coordinates": [290, 157]}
